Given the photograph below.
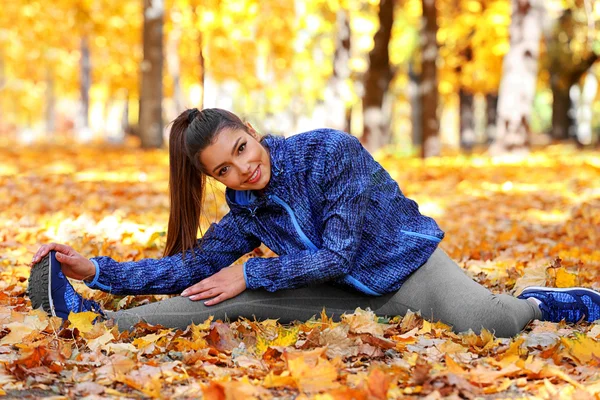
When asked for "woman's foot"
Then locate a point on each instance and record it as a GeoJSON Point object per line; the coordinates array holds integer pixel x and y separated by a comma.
{"type": "Point", "coordinates": [571, 304]}
{"type": "Point", "coordinates": [50, 289]}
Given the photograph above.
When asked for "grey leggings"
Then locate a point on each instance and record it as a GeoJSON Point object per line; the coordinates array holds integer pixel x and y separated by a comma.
{"type": "Point", "coordinates": [439, 289]}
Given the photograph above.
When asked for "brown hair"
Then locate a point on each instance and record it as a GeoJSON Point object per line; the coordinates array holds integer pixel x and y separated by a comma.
{"type": "Point", "coordinates": [191, 132]}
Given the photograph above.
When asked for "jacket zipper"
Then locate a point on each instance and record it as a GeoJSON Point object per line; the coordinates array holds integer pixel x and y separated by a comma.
{"type": "Point", "coordinates": [422, 235]}
{"type": "Point", "coordinates": [303, 236]}
{"type": "Point", "coordinates": [350, 280]}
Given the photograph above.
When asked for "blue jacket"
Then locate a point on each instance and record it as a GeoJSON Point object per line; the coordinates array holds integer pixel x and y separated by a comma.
{"type": "Point", "coordinates": [330, 212]}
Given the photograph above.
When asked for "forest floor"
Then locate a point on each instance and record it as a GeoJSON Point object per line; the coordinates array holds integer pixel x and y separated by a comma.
{"type": "Point", "coordinates": [509, 223]}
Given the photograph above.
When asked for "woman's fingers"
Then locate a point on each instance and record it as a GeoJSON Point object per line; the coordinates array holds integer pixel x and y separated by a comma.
{"type": "Point", "coordinates": [46, 248]}
{"type": "Point", "coordinates": [216, 300]}
{"type": "Point", "coordinates": [199, 287]}
{"type": "Point", "coordinates": [207, 294]}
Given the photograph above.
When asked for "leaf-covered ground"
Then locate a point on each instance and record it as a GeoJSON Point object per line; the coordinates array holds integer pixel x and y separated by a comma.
{"type": "Point", "coordinates": [509, 223]}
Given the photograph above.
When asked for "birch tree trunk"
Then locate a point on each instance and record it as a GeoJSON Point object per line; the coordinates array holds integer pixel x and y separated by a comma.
{"type": "Point", "coordinates": [467, 120]}
{"type": "Point", "coordinates": [566, 70]}
{"type": "Point", "coordinates": [50, 97]}
{"type": "Point", "coordinates": [491, 106]}
{"type": "Point", "coordinates": [83, 130]}
{"type": "Point", "coordinates": [174, 68]}
{"type": "Point", "coordinates": [202, 63]}
{"type": "Point", "coordinates": [429, 83]}
{"type": "Point", "coordinates": [416, 117]}
{"type": "Point", "coordinates": [337, 112]}
{"type": "Point", "coordinates": [151, 93]}
{"type": "Point", "coordinates": [519, 76]}
{"type": "Point", "coordinates": [377, 81]}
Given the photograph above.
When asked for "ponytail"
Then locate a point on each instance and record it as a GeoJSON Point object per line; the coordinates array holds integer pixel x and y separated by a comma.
{"type": "Point", "coordinates": [191, 132]}
{"type": "Point", "coordinates": [186, 189]}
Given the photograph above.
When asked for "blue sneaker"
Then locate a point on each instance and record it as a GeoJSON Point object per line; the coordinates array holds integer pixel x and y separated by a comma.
{"type": "Point", "coordinates": [571, 304]}
{"type": "Point", "coordinates": [50, 289]}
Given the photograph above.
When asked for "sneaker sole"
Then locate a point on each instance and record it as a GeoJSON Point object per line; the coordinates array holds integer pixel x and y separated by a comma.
{"type": "Point", "coordinates": [575, 290]}
{"type": "Point", "coordinates": [39, 286]}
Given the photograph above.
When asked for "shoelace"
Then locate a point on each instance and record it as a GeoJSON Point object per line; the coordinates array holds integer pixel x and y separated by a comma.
{"type": "Point", "coordinates": [93, 306]}
{"type": "Point", "coordinates": [559, 310]}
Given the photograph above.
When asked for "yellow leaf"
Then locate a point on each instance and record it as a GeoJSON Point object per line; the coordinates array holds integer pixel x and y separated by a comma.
{"type": "Point", "coordinates": [565, 278]}
{"type": "Point", "coordinates": [149, 339]}
{"type": "Point", "coordinates": [100, 341]}
{"type": "Point", "coordinates": [283, 338]}
{"type": "Point", "coordinates": [83, 320]}
{"type": "Point", "coordinates": [311, 372]}
{"type": "Point", "coordinates": [363, 321]}
{"type": "Point", "coordinates": [426, 327]}
{"type": "Point", "coordinates": [19, 330]}
{"type": "Point", "coordinates": [583, 348]}
{"type": "Point", "coordinates": [453, 366]}
{"type": "Point", "coordinates": [285, 379]}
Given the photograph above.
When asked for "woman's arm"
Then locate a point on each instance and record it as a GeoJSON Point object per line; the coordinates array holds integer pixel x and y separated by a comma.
{"type": "Point", "coordinates": [221, 245]}
{"type": "Point", "coordinates": [346, 182]}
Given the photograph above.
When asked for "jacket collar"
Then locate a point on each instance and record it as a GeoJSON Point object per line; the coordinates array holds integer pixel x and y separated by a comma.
{"type": "Point", "coordinates": [248, 199]}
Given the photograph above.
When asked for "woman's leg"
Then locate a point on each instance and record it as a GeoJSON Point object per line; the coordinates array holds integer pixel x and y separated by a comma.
{"type": "Point", "coordinates": [285, 305]}
{"type": "Point", "coordinates": [441, 291]}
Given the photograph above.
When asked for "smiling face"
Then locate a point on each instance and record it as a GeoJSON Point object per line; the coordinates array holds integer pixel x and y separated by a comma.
{"type": "Point", "coordinates": [237, 160]}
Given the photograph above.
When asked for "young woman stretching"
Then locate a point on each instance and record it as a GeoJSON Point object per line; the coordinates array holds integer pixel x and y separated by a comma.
{"type": "Point", "coordinates": [344, 233]}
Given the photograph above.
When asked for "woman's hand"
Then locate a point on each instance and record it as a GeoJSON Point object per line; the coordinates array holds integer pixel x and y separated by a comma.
{"type": "Point", "coordinates": [73, 264]}
{"type": "Point", "coordinates": [225, 284]}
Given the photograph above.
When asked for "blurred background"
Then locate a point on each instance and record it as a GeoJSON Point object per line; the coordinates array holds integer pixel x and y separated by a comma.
{"type": "Point", "coordinates": [417, 77]}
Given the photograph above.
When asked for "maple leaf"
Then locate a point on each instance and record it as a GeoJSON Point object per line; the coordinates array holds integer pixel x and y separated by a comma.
{"type": "Point", "coordinates": [565, 278]}
{"type": "Point", "coordinates": [363, 321]}
{"type": "Point", "coordinates": [282, 337]}
{"type": "Point", "coordinates": [82, 320]}
{"type": "Point", "coordinates": [234, 390]}
{"type": "Point", "coordinates": [150, 339]}
{"type": "Point", "coordinates": [582, 348]}
{"type": "Point", "coordinates": [100, 341]}
{"type": "Point", "coordinates": [337, 342]}
{"type": "Point", "coordinates": [310, 371]}
{"type": "Point", "coordinates": [378, 383]}
{"type": "Point", "coordinates": [20, 330]}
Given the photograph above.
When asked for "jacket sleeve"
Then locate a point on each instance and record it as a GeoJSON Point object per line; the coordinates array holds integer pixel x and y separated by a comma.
{"type": "Point", "coordinates": [221, 245]}
{"type": "Point", "coordinates": [345, 181]}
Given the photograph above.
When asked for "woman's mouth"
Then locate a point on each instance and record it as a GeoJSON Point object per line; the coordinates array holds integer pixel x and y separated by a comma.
{"type": "Point", "coordinates": [255, 176]}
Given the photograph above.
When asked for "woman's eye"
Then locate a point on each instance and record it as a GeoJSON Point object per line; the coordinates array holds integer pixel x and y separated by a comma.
{"type": "Point", "coordinates": [222, 171]}
{"type": "Point", "coordinates": [242, 147]}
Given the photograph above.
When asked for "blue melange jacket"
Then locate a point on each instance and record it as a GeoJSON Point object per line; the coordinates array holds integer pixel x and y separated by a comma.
{"type": "Point", "coordinates": [330, 212]}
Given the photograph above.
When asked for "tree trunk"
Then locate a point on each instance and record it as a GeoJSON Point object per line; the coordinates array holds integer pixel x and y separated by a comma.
{"type": "Point", "coordinates": [582, 97]}
{"type": "Point", "coordinates": [50, 97]}
{"type": "Point", "coordinates": [377, 81]}
{"type": "Point", "coordinates": [415, 106]}
{"type": "Point", "coordinates": [125, 116]}
{"type": "Point", "coordinates": [467, 120]}
{"type": "Point", "coordinates": [563, 123]}
{"type": "Point", "coordinates": [202, 69]}
{"type": "Point", "coordinates": [83, 131]}
{"type": "Point", "coordinates": [174, 67]}
{"type": "Point", "coordinates": [337, 112]}
{"type": "Point", "coordinates": [151, 93]}
{"type": "Point", "coordinates": [519, 75]}
{"type": "Point", "coordinates": [429, 84]}
{"type": "Point", "coordinates": [3, 119]}
{"type": "Point", "coordinates": [491, 103]}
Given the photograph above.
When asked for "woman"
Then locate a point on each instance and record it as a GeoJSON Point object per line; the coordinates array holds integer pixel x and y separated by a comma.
{"type": "Point", "coordinates": [345, 234]}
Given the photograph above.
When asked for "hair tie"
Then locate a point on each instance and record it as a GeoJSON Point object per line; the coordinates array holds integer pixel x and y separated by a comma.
{"type": "Point", "coordinates": [192, 114]}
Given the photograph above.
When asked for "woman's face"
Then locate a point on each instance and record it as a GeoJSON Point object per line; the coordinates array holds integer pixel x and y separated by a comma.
{"type": "Point", "coordinates": [237, 160]}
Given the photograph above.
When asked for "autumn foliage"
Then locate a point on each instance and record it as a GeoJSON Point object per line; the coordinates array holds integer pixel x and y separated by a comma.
{"type": "Point", "coordinates": [509, 223]}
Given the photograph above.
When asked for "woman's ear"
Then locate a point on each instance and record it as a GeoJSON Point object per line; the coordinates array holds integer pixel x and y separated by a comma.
{"type": "Point", "coordinates": [252, 131]}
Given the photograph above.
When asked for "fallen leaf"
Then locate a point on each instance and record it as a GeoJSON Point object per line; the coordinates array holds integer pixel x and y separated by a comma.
{"type": "Point", "coordinates": [311, 372]}
{"type": "Point", "coordinates": [82, 320]}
